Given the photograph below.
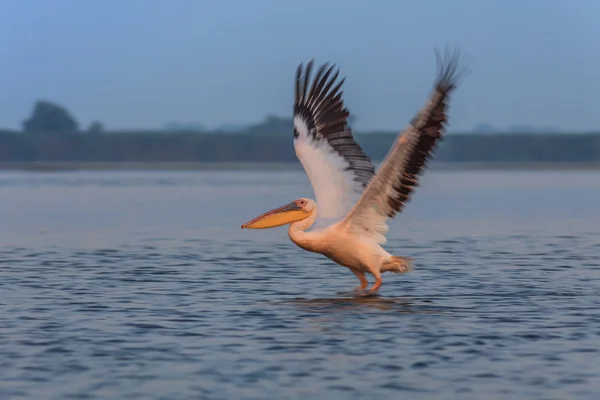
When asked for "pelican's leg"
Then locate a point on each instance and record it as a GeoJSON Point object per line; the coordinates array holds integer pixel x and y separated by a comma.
{"type": "Point", "coordinates": [376, 285]}
{"type": "Point", "coordinates": [363, 280]}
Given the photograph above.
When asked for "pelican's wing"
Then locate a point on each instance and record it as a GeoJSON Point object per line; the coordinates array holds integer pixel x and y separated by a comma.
{"type": "Point", "coordinates": [337, 167]}
{"type": "Point", "coordinates": [398, 175]}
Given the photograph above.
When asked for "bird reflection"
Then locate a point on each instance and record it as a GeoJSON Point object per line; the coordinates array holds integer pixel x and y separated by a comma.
{"type": "Point", "coordinates": [398, 304]}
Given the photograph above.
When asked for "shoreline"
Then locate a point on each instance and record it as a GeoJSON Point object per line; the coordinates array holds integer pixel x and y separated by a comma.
{"type": "Point", "coordinates": [272, 166]}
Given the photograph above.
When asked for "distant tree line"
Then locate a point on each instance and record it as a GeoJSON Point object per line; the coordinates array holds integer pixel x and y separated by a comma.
{"type": "Point", "coordinates": [51, 134]}
{"type": "Point", "coordinates": [278, 147]}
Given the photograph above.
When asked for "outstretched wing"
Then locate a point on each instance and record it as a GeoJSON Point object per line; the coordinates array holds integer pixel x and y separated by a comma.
{"type": "Point", "coordinates": [337, 167]}
{"type": "Point", "coordinates": [398, 175]}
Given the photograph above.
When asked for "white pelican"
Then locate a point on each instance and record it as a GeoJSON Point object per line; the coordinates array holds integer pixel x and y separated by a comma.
{"type": "Point", "coordinates": [352, 202]}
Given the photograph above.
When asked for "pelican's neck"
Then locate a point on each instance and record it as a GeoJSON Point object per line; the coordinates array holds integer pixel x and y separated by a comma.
{"type": "Point", "coordinates": [297, 233]}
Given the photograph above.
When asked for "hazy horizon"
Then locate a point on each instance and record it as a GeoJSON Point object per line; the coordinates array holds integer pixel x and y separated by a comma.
{"type": "Point", "coordinates": [139, 64]}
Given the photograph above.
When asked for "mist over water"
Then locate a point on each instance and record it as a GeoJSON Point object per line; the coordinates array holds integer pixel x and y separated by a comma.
{"type": "Point", "coordinates": [142, 285]}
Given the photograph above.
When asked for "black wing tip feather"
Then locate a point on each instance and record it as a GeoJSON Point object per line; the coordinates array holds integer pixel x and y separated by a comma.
{"type": "Point", "coordinates": [320, 104]}
{"type": "Point", "coordinates": [430, 131]}
{"type": "Point", "coordinates": [449, 70]}
{"type": "Point", "coordinates": [449, 74]}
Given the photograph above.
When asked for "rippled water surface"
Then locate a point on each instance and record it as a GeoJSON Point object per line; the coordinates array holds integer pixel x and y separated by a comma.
{"type": "Point", "coordinates": [142, 285]}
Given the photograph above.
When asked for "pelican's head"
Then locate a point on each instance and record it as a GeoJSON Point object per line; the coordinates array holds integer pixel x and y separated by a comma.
{"type": "Point", "coordinates": [295, 211]}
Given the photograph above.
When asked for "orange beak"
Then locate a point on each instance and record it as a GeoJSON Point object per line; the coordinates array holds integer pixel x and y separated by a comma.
{"type": "Point", "coordinates": [279, 216]}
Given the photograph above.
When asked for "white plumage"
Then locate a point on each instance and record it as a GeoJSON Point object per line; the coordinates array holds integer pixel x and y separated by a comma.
{"type": "Point", "coordinates": [352, 203]}
{"type": "Point", "coordinates": [336, 189]}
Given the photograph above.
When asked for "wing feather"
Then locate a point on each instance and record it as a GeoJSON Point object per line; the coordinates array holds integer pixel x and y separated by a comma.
{"type": "Point", "coordinates": [398, 176]}
{"type": "Point", "coordinates": [336, 165]}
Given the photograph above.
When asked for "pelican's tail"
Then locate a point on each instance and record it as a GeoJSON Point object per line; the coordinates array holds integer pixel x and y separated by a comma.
{"type": "Point", "coordinates": [399, 265]}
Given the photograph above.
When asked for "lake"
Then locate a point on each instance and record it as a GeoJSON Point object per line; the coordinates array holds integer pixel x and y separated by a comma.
{"type": "Point", "coordinates": [142, 285]}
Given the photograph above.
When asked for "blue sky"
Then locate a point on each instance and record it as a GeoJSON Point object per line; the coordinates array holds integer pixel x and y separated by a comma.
{"type": "Point", "coordinates": [142, 63]}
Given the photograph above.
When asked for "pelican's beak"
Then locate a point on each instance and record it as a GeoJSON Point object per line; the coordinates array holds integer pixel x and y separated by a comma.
{"type": "Point", "coordinates": [277, 217]}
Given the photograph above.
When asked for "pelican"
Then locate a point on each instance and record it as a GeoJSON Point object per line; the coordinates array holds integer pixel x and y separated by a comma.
{"type": "Point", "coordinates": [353, 204]}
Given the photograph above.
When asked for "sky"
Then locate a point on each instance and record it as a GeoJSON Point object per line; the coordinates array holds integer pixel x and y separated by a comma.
{"type": "Point", "coordinates": [138, 64]}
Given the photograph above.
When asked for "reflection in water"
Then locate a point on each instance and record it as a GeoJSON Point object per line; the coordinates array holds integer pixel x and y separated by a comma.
{"type": "Point", "coordinates": [399, 304]}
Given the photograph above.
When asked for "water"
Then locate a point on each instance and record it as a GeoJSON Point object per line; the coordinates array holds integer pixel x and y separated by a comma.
{"type": "Point", "coordinates": [142, 285]}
